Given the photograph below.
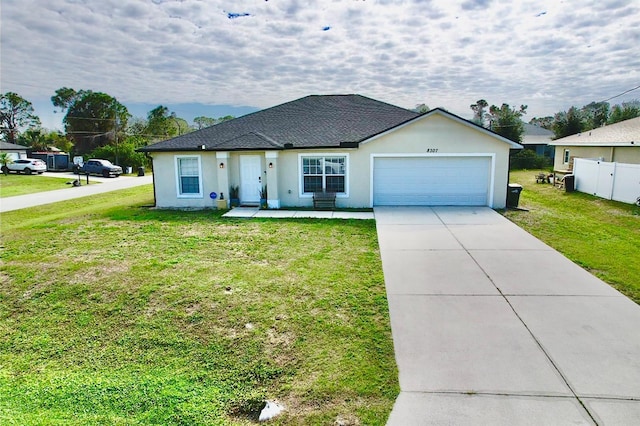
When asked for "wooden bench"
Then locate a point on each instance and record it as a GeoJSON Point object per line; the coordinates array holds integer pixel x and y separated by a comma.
{"type": "Point", "coordinates": [324, 200]}
{"type": "Point", "coordinates": [558, 177]}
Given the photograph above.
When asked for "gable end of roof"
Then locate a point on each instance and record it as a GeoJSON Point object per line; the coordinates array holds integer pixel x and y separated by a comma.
{"type": "Point", "coordinates": [445, 113]}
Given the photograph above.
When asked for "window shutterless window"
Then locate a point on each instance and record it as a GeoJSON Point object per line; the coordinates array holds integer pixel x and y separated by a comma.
{"type": "Point", "coordinates": [189, 180]}
{"type": "Point", "coordinates": [324, 173]}
{"type": "Point", "coordinates": [566, 156]}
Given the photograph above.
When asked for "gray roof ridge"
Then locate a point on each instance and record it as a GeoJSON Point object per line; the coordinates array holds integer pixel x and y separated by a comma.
{"type": "Point", "coordinates": [268, 139]}
{"type": "Point", "coordinates": [11, 145]}
{"type": "Point", "coordinates": [358, 95]}
{"type": "Point", "coordinates": [252, 133]}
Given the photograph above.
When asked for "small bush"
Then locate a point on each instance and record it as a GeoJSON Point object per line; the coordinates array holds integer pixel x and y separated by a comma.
{"type": "Point", "coordinates": [528, 159]}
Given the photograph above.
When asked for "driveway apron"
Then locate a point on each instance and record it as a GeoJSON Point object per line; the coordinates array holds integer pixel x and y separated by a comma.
{"type": "Point", "coordinates": [492, 326]}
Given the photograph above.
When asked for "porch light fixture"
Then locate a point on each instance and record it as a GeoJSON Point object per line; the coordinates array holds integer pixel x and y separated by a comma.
{"type": "Point", "coordinates": [222, 165]}
{"type": "Point", "coordinates": [271, 165]}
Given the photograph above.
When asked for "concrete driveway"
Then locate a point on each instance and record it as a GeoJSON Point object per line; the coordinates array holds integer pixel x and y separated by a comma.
{"type": "Point", "coordinates": [493, 327]}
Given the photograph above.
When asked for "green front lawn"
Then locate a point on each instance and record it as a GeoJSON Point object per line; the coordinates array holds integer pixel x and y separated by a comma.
{"type": "Point", "coordinates": [114, 313]}
{"type": "Point", "coordinates": [19, 184]}
{"type": "Point", "coordinates": [600, 235]}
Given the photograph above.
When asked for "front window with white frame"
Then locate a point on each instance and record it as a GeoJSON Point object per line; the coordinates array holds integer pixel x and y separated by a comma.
{"type": "Point", "coordinates": [189, 176]}
{"type": "Point", "coordinates": [566, 156]}
{"type": "Point", "coordinates": [324, 173]}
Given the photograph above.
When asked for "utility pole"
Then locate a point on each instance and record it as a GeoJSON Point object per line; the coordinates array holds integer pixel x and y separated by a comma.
{"type": "Point", "coordinates": [115, 128]}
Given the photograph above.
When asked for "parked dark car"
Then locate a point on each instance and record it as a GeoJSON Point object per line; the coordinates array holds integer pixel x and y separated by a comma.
{"type": "Point", "coordinates": [101, 167]}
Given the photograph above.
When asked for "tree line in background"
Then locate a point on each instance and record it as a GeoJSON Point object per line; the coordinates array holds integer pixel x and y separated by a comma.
{"type": "Point", "coordinates": [95, 125]}
{"type": "Point", "coordinates": [590, 116]}
{"type": "Point", "coordinates": [508, 122]}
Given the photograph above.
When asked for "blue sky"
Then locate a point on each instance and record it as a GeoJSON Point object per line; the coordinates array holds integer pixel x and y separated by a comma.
{"type": "Point", "coordinates": [218, 57]}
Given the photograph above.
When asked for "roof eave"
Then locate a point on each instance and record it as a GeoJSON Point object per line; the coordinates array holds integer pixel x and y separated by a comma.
{"type": "Point", "coordinates": [169, 149]}
{"type": "Point", "coordinates": [613, 144]}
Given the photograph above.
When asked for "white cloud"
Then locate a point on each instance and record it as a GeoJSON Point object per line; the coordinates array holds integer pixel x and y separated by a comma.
{"type": "Point", "coordinates": [547, 54]}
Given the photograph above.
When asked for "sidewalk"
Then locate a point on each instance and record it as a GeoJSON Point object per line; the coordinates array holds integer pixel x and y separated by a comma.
{"type": "Point", "coordinates": [70, 192]}
{"type": "Point", "coordinates": [247, 212]}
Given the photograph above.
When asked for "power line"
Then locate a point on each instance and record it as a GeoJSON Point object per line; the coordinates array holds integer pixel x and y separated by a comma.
{"type": "Point", "coordinates": [90, 118]}
{"type": "Point", "coordinates": [623, 93]}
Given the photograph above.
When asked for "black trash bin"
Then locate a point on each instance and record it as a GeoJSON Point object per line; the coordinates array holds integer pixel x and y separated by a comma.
{"type": "Point", "coordinates": [513, 195]}
{"type": "Point", "coordinates": [569, 183]}
{"type": "Point", "coordinates": [140, 171]}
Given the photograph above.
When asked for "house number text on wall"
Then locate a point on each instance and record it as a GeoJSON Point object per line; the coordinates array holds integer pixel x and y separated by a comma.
{"type": "Point", "coordinates": [432, 150]}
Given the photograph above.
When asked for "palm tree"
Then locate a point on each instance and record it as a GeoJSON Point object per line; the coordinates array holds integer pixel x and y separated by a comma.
{"type": "Point", "coordinates": [5, 159]}
{"type": "Point", "coordinates": [35, 139]}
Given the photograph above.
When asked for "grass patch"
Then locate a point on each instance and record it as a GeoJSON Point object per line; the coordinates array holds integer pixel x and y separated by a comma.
{"type": "Point", "coordinates": [600, 235]}
{"type": "Point", "coordinates": [15, 184]}
{"type": "Point", "coordinates": [121, 314]}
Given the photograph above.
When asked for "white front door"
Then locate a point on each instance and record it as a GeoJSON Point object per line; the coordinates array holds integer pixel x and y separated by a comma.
{"type": "Point", "coordinates": [250, 179]}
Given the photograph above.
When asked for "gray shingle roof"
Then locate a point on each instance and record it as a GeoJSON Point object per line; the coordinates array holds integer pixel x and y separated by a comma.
{"type": "Point", "coordinates": [536, 135]}
{"type": "Point", "coordinates": [315, 121]}
{"type": "Point", "coordinates": [622, 133]}
{"type": "Point", "coordinates": [11, 146]}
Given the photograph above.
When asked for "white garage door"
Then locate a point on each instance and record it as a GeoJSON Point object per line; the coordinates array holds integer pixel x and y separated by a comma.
{"type": "Point", "coordinates": [431, 181]}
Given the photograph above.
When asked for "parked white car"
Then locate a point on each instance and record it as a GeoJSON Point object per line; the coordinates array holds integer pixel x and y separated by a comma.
{"type": "Point", "coordinates": [26, 166]}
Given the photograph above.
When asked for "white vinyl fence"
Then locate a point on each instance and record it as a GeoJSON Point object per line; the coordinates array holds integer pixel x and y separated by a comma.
{"type": "Point", "coordinates": [613, 181]}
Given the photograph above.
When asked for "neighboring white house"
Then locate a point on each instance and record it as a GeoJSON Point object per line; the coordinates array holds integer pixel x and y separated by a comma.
{"type": "Point", "coordinates": [368, 152]}
{"type": "Point", "coordinates": [14, 151]}
{"type": "Point", "coordinates": [619, 142]}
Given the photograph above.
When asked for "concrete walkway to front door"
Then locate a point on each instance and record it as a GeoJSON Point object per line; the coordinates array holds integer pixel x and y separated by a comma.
{"type": "Point", "coordinates": [493, 327]}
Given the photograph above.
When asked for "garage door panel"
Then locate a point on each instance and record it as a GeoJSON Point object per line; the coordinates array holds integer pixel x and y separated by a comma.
{"type": "Point", "coordinates": [431, 181]}
{"type": "Point", "coordinates": [444, 199]}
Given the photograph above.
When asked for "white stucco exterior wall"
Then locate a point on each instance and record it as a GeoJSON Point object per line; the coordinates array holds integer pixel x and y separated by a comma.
{"type": "Point", "coordinates": [619, 154]}
{"type": "Point", "coordinates": [439, 135]}
{"type": "Point", "coordinates": [433, 134]}
{"type": "Point", "coordinates": [166, 182]}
